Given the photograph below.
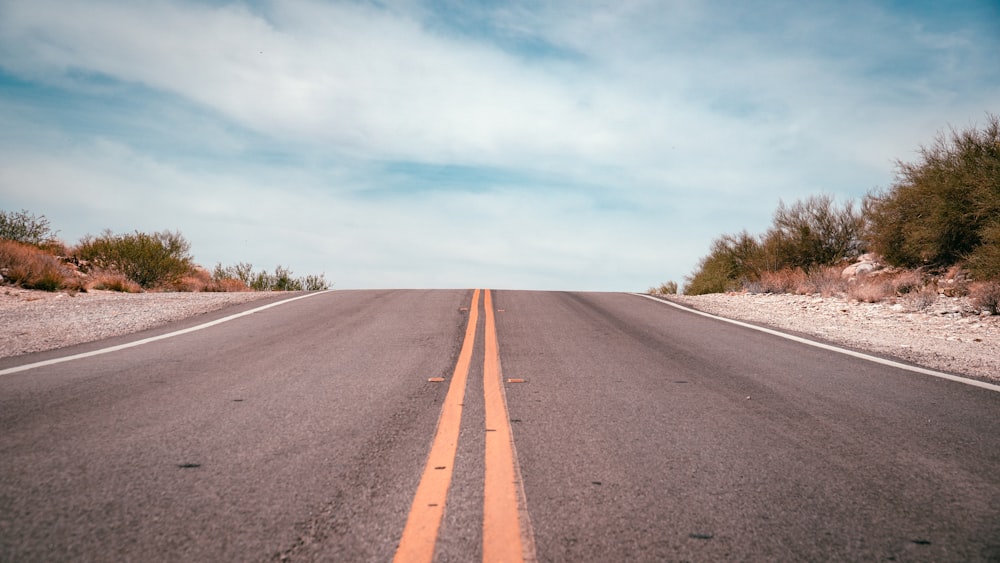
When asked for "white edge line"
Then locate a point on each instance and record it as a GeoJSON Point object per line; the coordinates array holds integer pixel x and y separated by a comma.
{"type": "Point", "coordinates": [188, 330]}
{"type": "Point", "coordinates": [863, 356]}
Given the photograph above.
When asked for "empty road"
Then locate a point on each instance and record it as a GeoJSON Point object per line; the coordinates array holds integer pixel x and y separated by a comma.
{"type": "Point", "coordinates": [475, 425]}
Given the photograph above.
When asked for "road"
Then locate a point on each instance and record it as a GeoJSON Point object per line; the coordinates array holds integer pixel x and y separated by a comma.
{"type": "Point", "coordinates": [563, 426]}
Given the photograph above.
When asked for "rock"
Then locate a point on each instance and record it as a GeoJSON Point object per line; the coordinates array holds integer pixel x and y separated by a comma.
{"type": "Point", "coordinates": [865, 264]}
{"type": "Point", "coordinates": [854, 270]}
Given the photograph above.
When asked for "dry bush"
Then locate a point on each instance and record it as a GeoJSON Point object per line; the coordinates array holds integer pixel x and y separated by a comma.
{"type": "Point", "coordinates": [113, 281]}
{"type": "Point", "coordinates": [665, 288]}
{"type": "Point", "coordinates": [955, 282]}
{"type": "Point", "coordinates": [22, 226]}
{"type": "Point", "coordinates": [986, 297]}
{"type": "Point", "coordinates": [922, 299]}
{"type": "Point", "coordinates": [73, 283]}
{"type": "Point", "coordinates": [945, 207]}
{"type": "Point", "coordinates": [787, 280]}
{"type": "Point", "coordinates": [197, 280]}
{"type": "Point", "coordinates": [153, 260]}
{"type": "Point", "coordinates": [812, 233]}
{"type": "Point", "coordinates": [825, 281]}
{"type": "Point", "coordinates": [733, 261]}
{"type": "Point", "coordinates": [870, 290]}
{"type": "Point", "coordinates": [227, 285]}
{"type": "Point", "coordinates": [30, 267]}
{"type": "Point", "coordinates": [907, 281]}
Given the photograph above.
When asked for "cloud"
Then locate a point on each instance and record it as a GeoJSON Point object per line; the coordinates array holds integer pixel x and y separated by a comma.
{"type": "Point", "coordinates": [555, 144]}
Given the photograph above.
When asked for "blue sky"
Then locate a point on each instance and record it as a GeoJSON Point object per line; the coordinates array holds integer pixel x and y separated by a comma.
{"type": "Point", "coordinates": [532, 145]}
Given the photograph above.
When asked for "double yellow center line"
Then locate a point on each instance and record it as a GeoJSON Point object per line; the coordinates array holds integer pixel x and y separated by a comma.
{"type": "Point", "coordinates": [506, 529]}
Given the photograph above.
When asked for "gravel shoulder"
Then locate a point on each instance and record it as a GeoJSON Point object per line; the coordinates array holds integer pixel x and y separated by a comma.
{"type": "Point", "coordinates": [947, 335]}
{"type": "Point", "coordinates": [34, 321]}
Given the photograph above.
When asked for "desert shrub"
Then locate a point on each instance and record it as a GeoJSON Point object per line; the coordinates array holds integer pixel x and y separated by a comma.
{"type": "Point", "coordinates": [113, 281]}
{"type": "Point", "coordinates": [318, 283]}
{"type": "Point", "coordinates": [944, 208]}
{"type": "Point", "coordinates": [809, 235]}
{"type": "Point", "coordinates": [226, 285]}
{"type": "Point", "coordinates": [279, 280]}
{"type": "Point", "coordinates": [149, 259]}
{"type": "Point", "coordinates": [242, 271]}
{"type": "Point", "coordinates": [922, 298]}
{"type": "Point", "coordinates": [665, 288]}
{"type": "Point", "coordinates": [733, 261]}
{"type": "Point", "coordinates": [907, 281]}
{"type": "Point", "coordinates": [198, 279]}
{"type": "Point", "coordinates": [870, 290]}
{"type": "Point", "coordinates": [813, 232]}
{"type": "Point", "coordinates": [282, 280]}
{"type": "Point", "coordinates": [826, 281]}
{"type": "Point", "coordinates": [262, 281]}
{"type": "Point", "coordinates": [984, 261]}
{"type": "Point", "coordinates": [22, 226]}
{"type": "Point", "coordinates": [31, 267]}
{"type": "Point", "coordinates": [986, 297]}
{"type": "Point", "coordinates": [786, 280]}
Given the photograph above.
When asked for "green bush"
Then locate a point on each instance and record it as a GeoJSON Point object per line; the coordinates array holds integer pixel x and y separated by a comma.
{"type": "Point", "coordinates": [942, 211]}
{"type": "Point", "coordinates": [152, 260]}
{"type": "Point", "coordinates": [25, 227]}
{"type": "Point", "coordinates": [811, 233]}
{"type": "Point", "coordinates": [280, 280]}
{"type": "Point", "coordinates": [808, 236]}
{"type": "Point", "coordinates": [945, 208]}
{"type": "Point", "coordinates": [243, 272]}
{"type": "Point", "coordinates": [733, 261]}
{"type": "Point", "coordinates": [318, 283]}
{"type": "Point", "coordinates": [984, 261]}
{"type": "Point", "coordinates": [666, 288]}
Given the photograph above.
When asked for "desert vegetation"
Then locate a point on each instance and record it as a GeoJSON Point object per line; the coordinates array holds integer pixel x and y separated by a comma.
{"type": "Point", "coordinates": [935, 230]}
{"type": "Point", "coordinates": [32, 257]}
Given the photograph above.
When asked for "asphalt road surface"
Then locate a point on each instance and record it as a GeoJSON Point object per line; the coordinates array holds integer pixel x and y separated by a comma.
{"type": "Point", "coordinates": [562, 427]}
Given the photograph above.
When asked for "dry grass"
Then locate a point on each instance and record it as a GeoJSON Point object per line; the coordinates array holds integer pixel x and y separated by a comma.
{"type": "Point", "coordinates": [917, 288]}
{"type": "Point", "coordinates": [825, 281]}
{"type": "Point", "coordinates": [914, 289]}
{"type": "Point", "coordinates": [665, 288]}
{"type": "Point", "coordinates": [986, 296]}
{"type": "Point", "coordinates": [227, 285]}
{"type": "Point", "coordinates": [905, 282]}
{"type": "Point", "coordinates": [783, 281]}
{"type": "Point", "coordinates": [870, 290]}
{"type": "Point", "coordinates": [113, 281]}
{"type": "Point", "coordinates": [197, 280]}
{"type": "Point", "coordinates": [922, 299]}
{"type": "Point", "coordinates": [31, 267]}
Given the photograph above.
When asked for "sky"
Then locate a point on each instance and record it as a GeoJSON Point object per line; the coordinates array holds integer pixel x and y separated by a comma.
{"type": "Point", "coordinates": [563, 145]}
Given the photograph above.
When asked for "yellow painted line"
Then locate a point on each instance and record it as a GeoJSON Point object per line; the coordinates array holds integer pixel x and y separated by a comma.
{"type": "Point", "coordinates": [422, 525]}
{"type": "Point", "coordinates": [507, 534]}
